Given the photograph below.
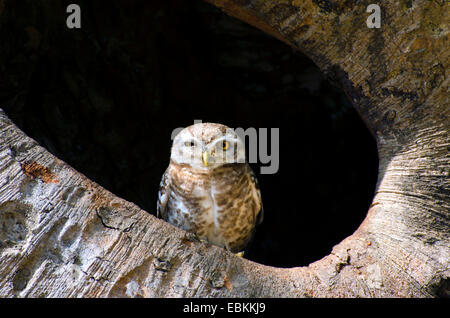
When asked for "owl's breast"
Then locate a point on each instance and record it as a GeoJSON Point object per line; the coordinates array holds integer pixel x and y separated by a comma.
{"type": "Point", "coordinates": [189, 204]}
{"type": "Point", "coordinates": [237, 205]}
{"type": "Point", "coordinates": [218, 206]}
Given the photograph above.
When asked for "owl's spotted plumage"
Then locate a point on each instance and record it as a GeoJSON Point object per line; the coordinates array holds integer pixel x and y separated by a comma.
{"type": "Point", "coordinates": [209, 189]}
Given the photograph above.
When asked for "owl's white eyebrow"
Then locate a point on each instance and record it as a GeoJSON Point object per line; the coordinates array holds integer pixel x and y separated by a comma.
{"type": "Point", "coordinates": [229, 138]}
{"type": "Point", "coordinates": [192, 138]}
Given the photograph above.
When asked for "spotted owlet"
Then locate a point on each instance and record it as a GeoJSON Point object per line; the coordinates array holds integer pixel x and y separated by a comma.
{"type": "Point", "coordinates": [209, 189]}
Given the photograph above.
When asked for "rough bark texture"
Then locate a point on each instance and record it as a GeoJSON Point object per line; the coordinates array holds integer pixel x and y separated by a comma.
{"type": "Point", "coordinates": [63, 235]}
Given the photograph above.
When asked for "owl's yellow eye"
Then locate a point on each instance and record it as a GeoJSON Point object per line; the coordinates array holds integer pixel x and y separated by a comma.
{"type": "Point", "coordinates": [189, 144]}
{"type": "Point", "coordinates": [225, 145]}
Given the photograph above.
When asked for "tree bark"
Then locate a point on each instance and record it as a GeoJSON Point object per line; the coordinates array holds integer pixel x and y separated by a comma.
{"type": "Point", "coordinates": [63, 235]}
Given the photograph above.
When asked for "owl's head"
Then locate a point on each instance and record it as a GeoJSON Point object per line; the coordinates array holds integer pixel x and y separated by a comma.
{"type": "Point", "coordinates": [207, 146]}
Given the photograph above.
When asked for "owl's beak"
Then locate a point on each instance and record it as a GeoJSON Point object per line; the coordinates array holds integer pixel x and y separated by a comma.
{"type": "Point", "coordinates": [205, 158]}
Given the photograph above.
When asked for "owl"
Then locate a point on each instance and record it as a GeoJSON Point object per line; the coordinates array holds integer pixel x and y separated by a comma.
{"type": "Point", "coordinates": [209, 188]}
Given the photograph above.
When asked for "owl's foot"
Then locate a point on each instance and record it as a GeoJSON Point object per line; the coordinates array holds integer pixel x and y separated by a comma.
{"type": "Point", "coordinates": [240, 254]}
{"type": "Point", "coordinates": [204, 240]}
{"type": "Point", "coordinates": [193, 237]}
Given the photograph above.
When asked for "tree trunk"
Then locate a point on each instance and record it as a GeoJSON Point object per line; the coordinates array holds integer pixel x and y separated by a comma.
{"type": "Point", "coordinates": [63, 235]}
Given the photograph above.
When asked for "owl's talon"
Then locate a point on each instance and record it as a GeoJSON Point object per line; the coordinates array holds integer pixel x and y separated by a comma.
{"type": "Point", "coordinates": [192, 237]}
{"type": "Point", "coordinates": [204, 241]}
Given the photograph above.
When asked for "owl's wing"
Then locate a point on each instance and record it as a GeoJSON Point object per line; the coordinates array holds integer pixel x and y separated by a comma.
{"type": "Point", "coordinates": [163, 196]}
{"type": "Point", "coordinates": [257, 196]}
